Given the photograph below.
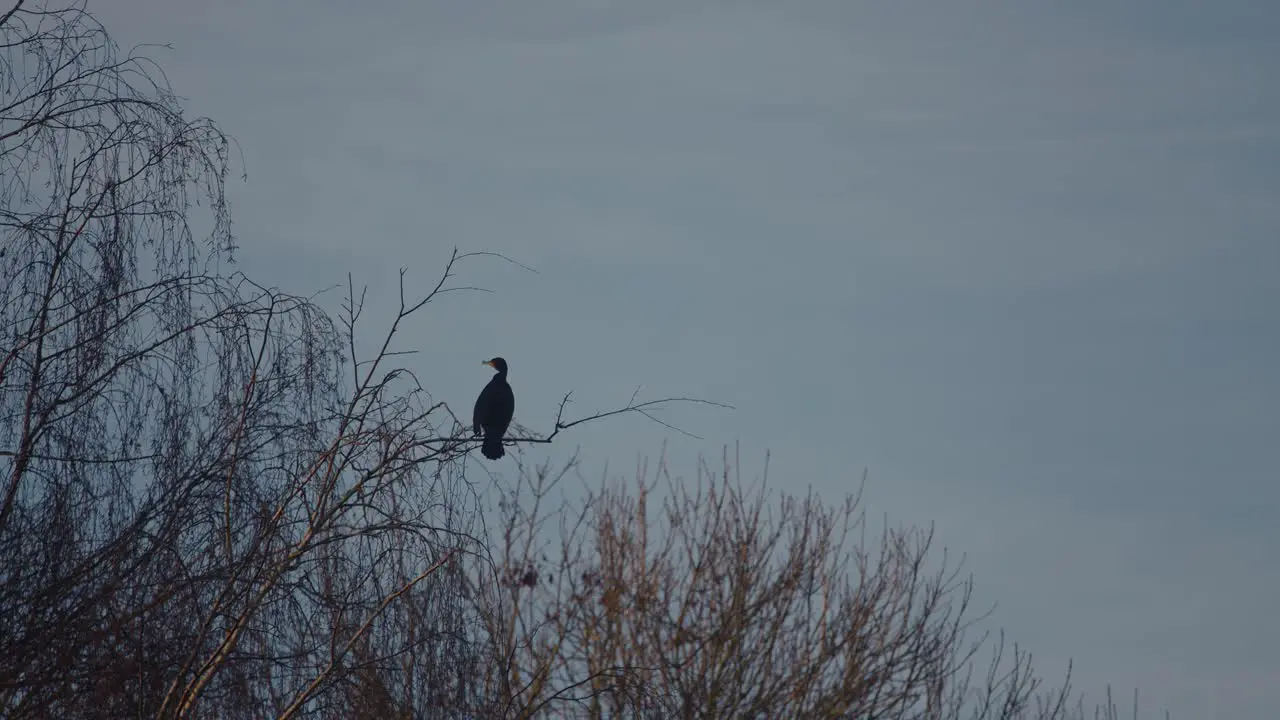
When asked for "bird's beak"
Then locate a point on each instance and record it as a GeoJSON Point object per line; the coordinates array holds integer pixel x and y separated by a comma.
{"type": "Point", "coordinates": [487, 362]}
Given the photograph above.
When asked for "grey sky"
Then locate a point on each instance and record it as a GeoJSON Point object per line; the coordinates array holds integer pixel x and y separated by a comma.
{"type": "Point", "coordinates": [1020, 261]}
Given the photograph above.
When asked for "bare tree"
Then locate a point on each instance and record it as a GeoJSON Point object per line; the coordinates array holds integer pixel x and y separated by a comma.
{"type": "Point", "coordinates": [213, 503]}
{"type": "Point", "coordinates": [665, 598]}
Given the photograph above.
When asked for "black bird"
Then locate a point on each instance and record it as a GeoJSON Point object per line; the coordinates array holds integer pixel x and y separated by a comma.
{"type": "Point", "coordinates": [494, 409]}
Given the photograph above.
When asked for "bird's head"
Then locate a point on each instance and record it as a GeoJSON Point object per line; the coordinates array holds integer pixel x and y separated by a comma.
{"type": "Point", "coordinates": [497, 364]}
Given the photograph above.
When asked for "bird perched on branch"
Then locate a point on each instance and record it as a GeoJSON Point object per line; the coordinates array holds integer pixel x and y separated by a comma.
{"type": "Point", "coordinates": [493, 411]}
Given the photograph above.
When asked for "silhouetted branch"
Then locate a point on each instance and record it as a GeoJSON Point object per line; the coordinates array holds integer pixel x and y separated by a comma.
{"type": "Point", "coordinates": [640, 408]}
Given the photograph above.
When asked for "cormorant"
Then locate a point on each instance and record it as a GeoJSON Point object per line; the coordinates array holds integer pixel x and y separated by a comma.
{"type": "Point", "coordinates": [494, 409]}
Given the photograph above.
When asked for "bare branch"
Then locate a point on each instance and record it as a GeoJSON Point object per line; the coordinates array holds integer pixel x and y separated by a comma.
{"type": "Point", "coordinates": [641, 408]}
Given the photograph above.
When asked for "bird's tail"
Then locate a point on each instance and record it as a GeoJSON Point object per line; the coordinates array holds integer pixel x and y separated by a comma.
{"type": "Point", "coordinates": [492, 447]}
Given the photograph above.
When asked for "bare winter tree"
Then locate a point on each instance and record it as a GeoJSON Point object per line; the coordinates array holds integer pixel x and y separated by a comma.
{"type": "Point", "coordinates": [669, 599]}
{"type": "Point", "coordinates": [213, 503]}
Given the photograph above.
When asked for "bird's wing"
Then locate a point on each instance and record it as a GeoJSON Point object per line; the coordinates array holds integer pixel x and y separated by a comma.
{"type": "Point", "coordinates": [482, 404]}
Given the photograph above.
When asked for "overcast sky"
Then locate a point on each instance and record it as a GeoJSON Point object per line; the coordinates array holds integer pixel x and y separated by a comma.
{"type": "Point", "coordinates": [1020, 261]}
